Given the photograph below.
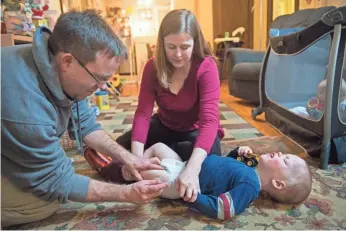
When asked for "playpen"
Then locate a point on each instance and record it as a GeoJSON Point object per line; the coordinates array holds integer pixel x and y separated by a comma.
{"type": "Point", "coordinates": [302, 82]}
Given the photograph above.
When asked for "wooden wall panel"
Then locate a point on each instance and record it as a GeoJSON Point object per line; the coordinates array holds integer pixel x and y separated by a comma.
{"type": "Point", "coordinates": [231, 14]}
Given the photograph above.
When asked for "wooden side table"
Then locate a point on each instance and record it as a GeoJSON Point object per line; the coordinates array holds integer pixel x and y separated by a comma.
{"type": "Point", "coordinates": [12, 39]}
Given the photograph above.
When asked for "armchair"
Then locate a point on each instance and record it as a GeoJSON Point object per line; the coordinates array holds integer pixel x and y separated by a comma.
{"type": "Point", "coordinates": [243, 68]}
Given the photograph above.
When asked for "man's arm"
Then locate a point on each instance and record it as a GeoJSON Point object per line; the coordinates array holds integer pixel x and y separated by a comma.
{"type": "Point", "coordinates": [102, 142]}
{"type": "Point", "coordinates": [96, 138]}
{"type": "Point", "coordinates": [137, 193]}
{"type": "Point", "coordinates": [87, 119]}
{"type": "Point", "coordinates": [228, 204]}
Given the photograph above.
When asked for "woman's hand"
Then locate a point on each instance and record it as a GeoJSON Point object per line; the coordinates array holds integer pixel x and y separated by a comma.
{"type": "Point", "coordinates": [188, 180]}
{"type": "Point", "coordinates": [188, 184]}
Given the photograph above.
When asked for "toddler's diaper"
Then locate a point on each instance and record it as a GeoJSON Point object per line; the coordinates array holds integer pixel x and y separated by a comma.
{"type": "Point", "coordinates": [173, 168]}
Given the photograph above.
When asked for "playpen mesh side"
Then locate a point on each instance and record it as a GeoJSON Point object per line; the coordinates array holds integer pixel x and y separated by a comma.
{"type": "Point", "coordinates": [292, 80]}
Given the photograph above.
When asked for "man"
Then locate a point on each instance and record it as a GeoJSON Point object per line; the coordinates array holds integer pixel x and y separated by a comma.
{"type": "Point", "coordinates": [40, 84]}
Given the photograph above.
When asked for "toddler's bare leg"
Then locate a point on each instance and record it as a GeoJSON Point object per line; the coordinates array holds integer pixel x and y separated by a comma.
{"type": "Point", "coordinates": [154, 174]}
{"type": "Point", "coordinates": [174, 169]}
{"type": "Point", "coordinates": [161, 151]}
{"type": "Point", "coordinates": [148, 175]}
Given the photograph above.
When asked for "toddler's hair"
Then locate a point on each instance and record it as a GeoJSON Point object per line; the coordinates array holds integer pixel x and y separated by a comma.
{"type": "Point", "coordinates": [298, 186]}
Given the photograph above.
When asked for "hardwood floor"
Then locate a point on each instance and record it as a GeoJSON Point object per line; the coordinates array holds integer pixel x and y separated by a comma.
{"type": "Point", "coordinates": [241, 107]}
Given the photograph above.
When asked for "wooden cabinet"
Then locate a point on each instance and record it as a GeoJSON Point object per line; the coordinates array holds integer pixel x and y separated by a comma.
{"type": "Point", "coordinates": [11, 40]}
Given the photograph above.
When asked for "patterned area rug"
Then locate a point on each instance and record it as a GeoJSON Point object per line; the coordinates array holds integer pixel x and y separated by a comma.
{"type": "Point", "coordinates": [324, 209]}
{"type": "Point", "coordinates": [118, 119]}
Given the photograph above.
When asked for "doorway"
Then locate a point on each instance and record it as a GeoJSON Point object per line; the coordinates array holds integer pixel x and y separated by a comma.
{"type": "Point", "coordinates": [280, 7]}
{"type": "Point", "coordinates": [228, 15]}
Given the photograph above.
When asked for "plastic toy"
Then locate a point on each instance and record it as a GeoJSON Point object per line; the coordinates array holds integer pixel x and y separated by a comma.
{"type": "Point", "coordinates": [102, 100]}
{"type": "Point", "coordinates": [95, 159]}
{"type": "Point", "coordinates": [96, 110]}
{"type": "Point", "coordinates": [250, 160]}
{"type": "Point", "coordinates": [315, 108]}
{"type": "Point", "coordinates": [38, 7]}
{"type": "Point", "coordinates": [116, 83]}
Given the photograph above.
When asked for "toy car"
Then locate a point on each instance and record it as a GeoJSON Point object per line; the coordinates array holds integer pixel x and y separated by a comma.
{"type": "Point", "coordinates": [250, 160]}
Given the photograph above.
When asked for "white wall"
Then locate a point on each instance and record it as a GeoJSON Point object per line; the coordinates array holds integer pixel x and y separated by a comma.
{"type": "Point", "coordinates": [186, 4]}
{"type": "Point", "coordinates": [204, 14]}
{"type": "Point", "coordinates": [55, 5]}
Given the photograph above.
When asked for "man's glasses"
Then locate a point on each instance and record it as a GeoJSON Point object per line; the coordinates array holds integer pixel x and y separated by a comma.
{"type": "Point", "coordinates": [82, 65]}
{"type": "Point", "coordinates": [116, 93]}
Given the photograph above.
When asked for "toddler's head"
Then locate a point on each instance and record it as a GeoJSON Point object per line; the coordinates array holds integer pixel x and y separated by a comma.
{"type": "Point", "coordinates": [322, 86]}
{"type": "Point", "coordinates": [286, 177]}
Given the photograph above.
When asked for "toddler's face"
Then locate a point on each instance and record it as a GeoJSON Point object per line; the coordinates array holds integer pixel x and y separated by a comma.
{"type": "Point", "coordinates": [321, 90]}
{"type": "Point", "coordinates": [280, 165]}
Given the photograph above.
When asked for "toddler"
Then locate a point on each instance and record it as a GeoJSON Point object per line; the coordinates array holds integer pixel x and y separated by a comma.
{"type": "Point", "coordinates": [316, 105]}
{"type": "Point", "coordinates": [228, 186]}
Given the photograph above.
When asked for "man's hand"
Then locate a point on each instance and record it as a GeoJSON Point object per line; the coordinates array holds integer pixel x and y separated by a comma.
{"type": "Point", "coordinates": [188, 184]}
{"type": "Point", "coordinates": [144, 191]}
{"type": "Point", "coordinates": [136, 164]}
{"type": "Point", "coordinates": [244, 150]}
{"type": "Point", "coordinates": [137, 193]}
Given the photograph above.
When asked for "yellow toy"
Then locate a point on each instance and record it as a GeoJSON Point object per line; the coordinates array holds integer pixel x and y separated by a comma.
{"type": "Point", "coordinates": [115, 87]}
{"type": "Point", "coordinates": [102, 100]}
{"type": "Point", "coordinates": [250, 160]}
{"type": "Point", "coordinates": [115, 81]}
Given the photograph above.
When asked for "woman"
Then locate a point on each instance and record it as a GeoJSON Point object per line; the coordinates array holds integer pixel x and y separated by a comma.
{"type": "Point", "coordinates": [183, 80]}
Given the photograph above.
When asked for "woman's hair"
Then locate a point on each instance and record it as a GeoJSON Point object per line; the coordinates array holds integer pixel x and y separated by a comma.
{"type": "Point", "coordinates": [178, 21]}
